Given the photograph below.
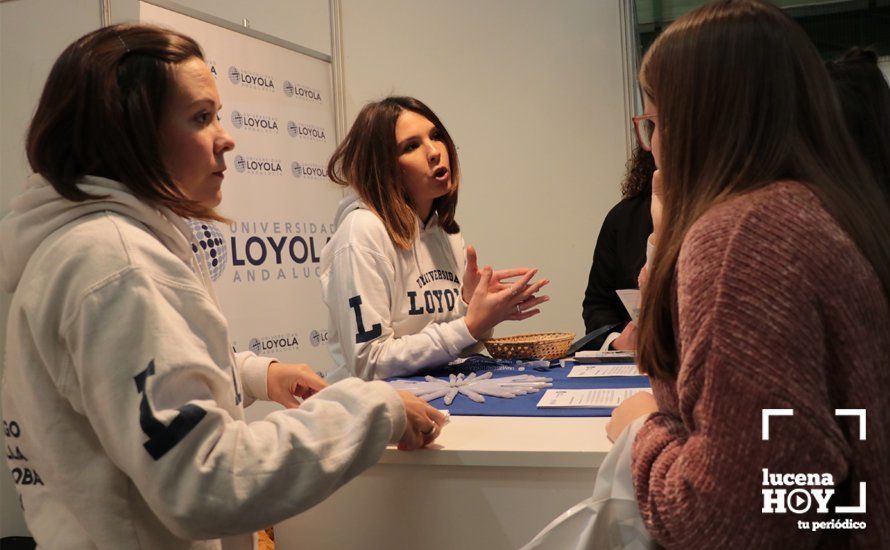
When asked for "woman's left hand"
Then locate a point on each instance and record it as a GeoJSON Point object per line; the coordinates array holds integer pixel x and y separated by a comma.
{"type": "Point", "coordinates": [637, 405]}
{"type": "Point", "coordinates": [627, 340]}
{"type": "Point", "coordinates": [287, 381]}
{"type": "Point", "coordinates": [472, 276]}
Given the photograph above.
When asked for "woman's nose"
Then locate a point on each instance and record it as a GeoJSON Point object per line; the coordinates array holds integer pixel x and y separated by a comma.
{"type": "Point", "coordinates": [433, 153]}
{"type": "Point", "coordinates": [224, 142]}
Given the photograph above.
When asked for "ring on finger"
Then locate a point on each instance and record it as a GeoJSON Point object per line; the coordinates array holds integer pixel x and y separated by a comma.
{"type": "Point", "coordinates": [431, 431]}
{"type": "Point", "coordinates": [518, 309]}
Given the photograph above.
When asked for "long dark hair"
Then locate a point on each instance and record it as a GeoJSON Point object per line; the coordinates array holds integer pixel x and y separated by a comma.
{"type": "Point", "coordinates": [865, 99]}
{"type": "Point", "coordinates": [367, 160]}
{"type": "Point", "coordinates": [743, 101]}
{"type": "Point", "coordinates": [100, 111]}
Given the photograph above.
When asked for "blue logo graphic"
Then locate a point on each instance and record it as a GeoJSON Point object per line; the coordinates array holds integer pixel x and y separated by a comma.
{"type": "Point", "coordinates": [255, 346]}
{"type": "Point", "coordinates": [318, 337]}
{"type": "Point", "coordinates": [209, 247]}
{"type": "Point", "coordinates": [234, 75]}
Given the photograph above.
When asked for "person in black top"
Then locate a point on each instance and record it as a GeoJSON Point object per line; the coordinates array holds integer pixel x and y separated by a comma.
{"type": "Point", "coordinates": [620, 252]}
{"type": "Point", "coordinates": [865, 100]}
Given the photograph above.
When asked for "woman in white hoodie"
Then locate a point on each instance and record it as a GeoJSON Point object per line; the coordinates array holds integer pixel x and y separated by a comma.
{"type": "Point", "coordinates": [122, 399]}
{"type": "Point", "coordinates": [402, 289]}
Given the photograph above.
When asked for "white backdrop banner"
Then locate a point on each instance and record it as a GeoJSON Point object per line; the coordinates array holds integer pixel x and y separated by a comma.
{"type": "Point", "coordinates": [278, 106]}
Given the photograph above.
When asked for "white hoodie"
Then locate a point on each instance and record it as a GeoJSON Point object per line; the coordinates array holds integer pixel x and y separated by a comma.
{"type": "Point", "coordinates": [123, 417]}
{"type": "Point", "coordinates": [392, 311]}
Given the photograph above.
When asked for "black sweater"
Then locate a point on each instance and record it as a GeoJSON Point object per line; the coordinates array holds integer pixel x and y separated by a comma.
{"type": "Point", "coordinates": [617, 260]}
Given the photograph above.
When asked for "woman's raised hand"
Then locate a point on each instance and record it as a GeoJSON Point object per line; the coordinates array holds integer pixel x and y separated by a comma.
{"type": "Point", "coordinates": [498, 276]}
{"type": "Point", "coordinates": [493, 301]}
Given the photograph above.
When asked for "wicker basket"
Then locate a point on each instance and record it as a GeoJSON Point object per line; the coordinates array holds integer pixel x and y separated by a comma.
{"type": "Point", "coordinates": [542, 345]}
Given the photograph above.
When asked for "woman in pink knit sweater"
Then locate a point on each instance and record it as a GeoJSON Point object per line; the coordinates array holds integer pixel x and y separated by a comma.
{"type": "Point", "coordinates": [768, 290]}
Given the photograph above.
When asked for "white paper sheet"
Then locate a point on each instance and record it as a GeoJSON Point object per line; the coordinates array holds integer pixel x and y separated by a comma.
{"type": "Point", "coordinates": [598, 371]}
{"type": "Point", "coordinates": [631, 299]}
{"type": "Point", "coordinates": [587, 399]}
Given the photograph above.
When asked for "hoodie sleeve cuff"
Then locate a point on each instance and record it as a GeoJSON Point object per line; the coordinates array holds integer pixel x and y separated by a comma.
{"type": "Point", "coordinates": [463, 338]}
{"type": "Point", "coordinates": [253, 370]}
{"type": "Point", "coordinates": [462, 305]}
{"type": "Point", "coordinates": [394, 407]}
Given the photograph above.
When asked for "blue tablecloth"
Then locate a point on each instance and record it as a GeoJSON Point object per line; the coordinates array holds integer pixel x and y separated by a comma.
{"type": "Point", "coordinates": [524, 405]}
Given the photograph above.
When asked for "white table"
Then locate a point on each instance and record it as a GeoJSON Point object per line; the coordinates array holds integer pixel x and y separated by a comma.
{"type": "Point", "coordinates": [488, 483]}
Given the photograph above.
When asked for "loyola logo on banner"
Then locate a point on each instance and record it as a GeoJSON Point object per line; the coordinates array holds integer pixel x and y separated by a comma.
{"type": "Point", "coordinates": [301, 91]}
{"type": "Point", "coordinates": [306, 170]}
{"type": "Point", "coordinates": [271, 250]}
{"type": "Point", "coordinates": [254, 122]}
{"type": "Point", "coordinates": [301, 130]}
{"type": "Point", "coordinates": [258, 166]}
{"type": "Point", "coordinates": [318, 337]}
{"type": "Point", "coordinates": [268, 345]}
{"type": "Point", "coordinates": [250, 79]}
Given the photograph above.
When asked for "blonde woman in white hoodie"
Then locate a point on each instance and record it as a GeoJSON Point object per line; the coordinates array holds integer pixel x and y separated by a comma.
{"type": "Point", "coordinates": [123, 404]}
{"type": "Point", "coordinates": [402, 289]}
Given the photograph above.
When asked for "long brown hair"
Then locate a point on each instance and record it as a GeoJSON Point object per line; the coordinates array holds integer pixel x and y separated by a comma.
{"type": "Point", "coordinates": [367, 160]}
{"type": "Point", "coordinates": [100, 111]}
{"type": "Point", "coordinates": [743, 101]}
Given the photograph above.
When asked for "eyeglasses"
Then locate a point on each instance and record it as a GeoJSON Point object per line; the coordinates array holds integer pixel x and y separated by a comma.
{"type": "Point", "coordinates": [645, 127]}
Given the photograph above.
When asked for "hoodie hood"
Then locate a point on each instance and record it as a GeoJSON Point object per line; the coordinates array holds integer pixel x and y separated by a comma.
{"type": "Point", "coordinates": [426, 232]}
{"type": "Point", "coordinates": [40, 211]}
{"type": "Point", "coordinates": [349, 203]}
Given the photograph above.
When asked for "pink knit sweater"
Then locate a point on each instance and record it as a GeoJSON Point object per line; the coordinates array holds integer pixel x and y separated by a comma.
{"type": "Point", "coordinates": [776, 308]}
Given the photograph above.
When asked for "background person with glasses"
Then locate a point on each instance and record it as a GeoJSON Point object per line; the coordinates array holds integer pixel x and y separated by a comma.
{"type": "Point", "coordinates": [621, 247]}
{"type": "Point", "coordinates": [619, 255]}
